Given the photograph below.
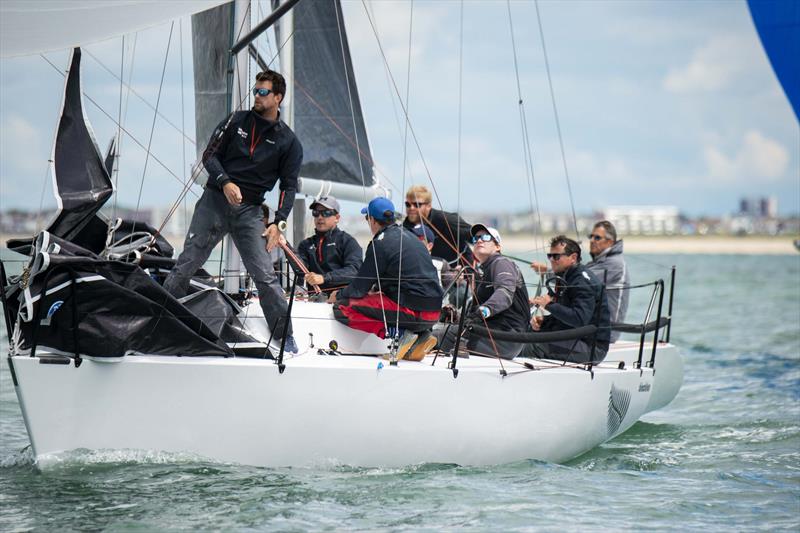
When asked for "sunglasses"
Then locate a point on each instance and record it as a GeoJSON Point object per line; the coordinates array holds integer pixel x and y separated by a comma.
{"type": "Point", "coordinates": [323, 213]}
{"type": "Point", "coordinates": [415, 204]}
{"type": "Point", "coordinates": [596, 237]}
{"type": "Point", "coordinates": [484, 237]}
{"type": "Point", "coordinates": [556, 257]}
{"type": "Point", "coordinates": [258, 91]}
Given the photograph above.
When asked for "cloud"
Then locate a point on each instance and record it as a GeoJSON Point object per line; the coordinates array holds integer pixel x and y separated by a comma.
{"type": "Point", "coordinates": [20, 136]}
{"type": "Point", "coordinates": [759, 157]}
{"type": "Point", "coordinates": [713, 66]}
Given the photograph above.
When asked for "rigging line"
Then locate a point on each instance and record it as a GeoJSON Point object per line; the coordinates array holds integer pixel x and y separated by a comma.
{"type": "Point", "coordinates": [337, 7]}
{"type": "Point", "coordinates": [183, 125]}
{"type": "Point", "coordinates": [526, 148]}
{"type": "Point", "coordinates": [127, 133]}
{"type": "Point", "coordinates": [405, 143]}
{"type": "Point", "coordinates": [395, 114]}
{"type": "Point", "coordinates": [131, 90]}
{"type": "Point", "coordinates": [347, 137]}
{"type": "Point", "coordinates": [460, 116]}
{"type": "Point", "coordinates": [405, 112]}
{"type": "Point", "coordinates": [153, 126]}
{"type": "Point", "coordinates": [555, 113]}
{"type": "Point", "coordinates": [51, 159]}
{"type": "Point", "coordinates": [128, 92]}
{"type": "Point", "coordinates": [115, 165]}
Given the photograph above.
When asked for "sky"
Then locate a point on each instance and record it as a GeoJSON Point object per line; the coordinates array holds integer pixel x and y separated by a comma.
{"type": "Point", "coordinates": [658, 103]}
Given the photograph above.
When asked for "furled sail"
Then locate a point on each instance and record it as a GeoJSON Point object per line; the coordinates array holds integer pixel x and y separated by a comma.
{"type": "Point", "coordinates": [324, 88]}
{"type": "Point", "coordinates": [81, 181]}
{"type": "Point", "coordinates": [28, 27]}
{"type": "Point", "coordinates": [778, 25]}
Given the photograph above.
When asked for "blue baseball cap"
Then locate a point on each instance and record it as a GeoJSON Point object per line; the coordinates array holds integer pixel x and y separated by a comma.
{"type": "Point", "coordinates": [380, 208]}
{"type": "Point", "coordinates": [421, 230]}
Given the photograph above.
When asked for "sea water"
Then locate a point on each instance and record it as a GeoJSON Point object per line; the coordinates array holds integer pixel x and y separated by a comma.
{"type": "Point", "coordinates": [724, 455]}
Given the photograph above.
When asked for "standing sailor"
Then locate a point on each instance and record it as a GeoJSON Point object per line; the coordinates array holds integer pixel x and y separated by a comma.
{"type": "Point", "coordinates": [249, 152]}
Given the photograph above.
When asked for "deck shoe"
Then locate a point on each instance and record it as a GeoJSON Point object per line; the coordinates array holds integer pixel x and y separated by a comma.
{"type": "Point", "coordinates": [405, 343]}
{"type": "Point", "coordinates": [289, 348]}
{"type": "Point", "coordinates": [425, 343]}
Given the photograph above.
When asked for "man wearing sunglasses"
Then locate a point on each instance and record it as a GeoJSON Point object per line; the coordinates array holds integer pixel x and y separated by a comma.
{"type": "Point", "coordinates": [500, 297]}
{"type": "Point", "coordinates": [248, 153]}
{"type": "Point", "coordinates": [573, 304]}
{"type": "Point", "coordinates": [608, 264]}
{"type": "Point", "coordinates": [396, 292]}
{"type": "Point", "coordinates": [332, 256]}
{"type": "Point", "coordinates": [452, 233]}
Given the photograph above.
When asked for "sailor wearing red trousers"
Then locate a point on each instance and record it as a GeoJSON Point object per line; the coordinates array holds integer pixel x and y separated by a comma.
{"type": "Point", "coordinates": [396, 291]}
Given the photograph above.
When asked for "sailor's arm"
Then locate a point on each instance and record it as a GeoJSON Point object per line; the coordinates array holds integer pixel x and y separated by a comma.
{"type": "Point", "coordinates": [351, 257]}
{"type": "Point", "coordinates": [364, 279]}
{"type": "Point", "coordinates": [504, 279]}
{"type": "Point", "coordinates": [580, 313]}
{"type": "Point", "coordinates": [289, 170]}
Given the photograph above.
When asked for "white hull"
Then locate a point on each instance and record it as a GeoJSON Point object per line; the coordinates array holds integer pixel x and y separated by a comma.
{"type": "Point", "coordinates": [340, 409]}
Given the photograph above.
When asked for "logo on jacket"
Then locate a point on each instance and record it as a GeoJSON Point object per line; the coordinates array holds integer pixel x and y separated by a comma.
{"type": "Point", "coordinates": [585, 275]}
{"type": "Point", "coordinates": [242, 133]}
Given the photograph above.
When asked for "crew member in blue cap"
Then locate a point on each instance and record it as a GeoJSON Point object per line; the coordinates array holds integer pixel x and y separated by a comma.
{"type": "Point", "coordinates": [390, 296]}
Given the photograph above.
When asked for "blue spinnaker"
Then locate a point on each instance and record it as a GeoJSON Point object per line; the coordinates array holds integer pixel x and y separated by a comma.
{"type": "Point", "coordinates": [778, 26]}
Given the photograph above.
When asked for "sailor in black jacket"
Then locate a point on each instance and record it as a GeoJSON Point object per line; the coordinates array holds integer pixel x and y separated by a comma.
{"type": "Point", "coordinates": [333, 256]}
{"type": "Point", "coordinates": [452, 233]}
{"type": "Point", "coordinates": [247, 154]}
{"type": "Point", "coordinates": [396, 292]}
{"type": "Point", "coordinates": [574, 304]}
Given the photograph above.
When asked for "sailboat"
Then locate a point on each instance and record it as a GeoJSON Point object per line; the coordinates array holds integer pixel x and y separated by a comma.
{"type": "Point", "coordinates": [103, 358]}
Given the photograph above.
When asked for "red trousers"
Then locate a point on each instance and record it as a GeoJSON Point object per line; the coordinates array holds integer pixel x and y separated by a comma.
{"type": "Point", "coordinates": [367, 314]}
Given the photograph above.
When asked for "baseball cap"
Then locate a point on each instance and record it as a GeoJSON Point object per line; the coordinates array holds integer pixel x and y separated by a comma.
{"type": "Point", "coordinates": [380, 208]}
{"type": "Point", "coordinates": [421, 230]}
{"type": "Point", "coordinates": [491, 231]}
{"type": "Point", "coordinates": [326, 201]}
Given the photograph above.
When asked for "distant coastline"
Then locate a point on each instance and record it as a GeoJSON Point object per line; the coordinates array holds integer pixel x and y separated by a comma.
{"type": "Point", "coordinates": [676, 244]}
{"type": "Point", "coordinates": [687, 244]}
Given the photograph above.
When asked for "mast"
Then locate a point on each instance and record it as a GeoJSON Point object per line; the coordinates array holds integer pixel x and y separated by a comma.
{"type": "Point", "coordinates": [221, 85]}
{"type": "Point", "coordinates": [238, 98]}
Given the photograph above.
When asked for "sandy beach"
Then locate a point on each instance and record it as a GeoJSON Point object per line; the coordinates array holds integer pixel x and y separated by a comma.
{"type": "Point", "coordinates": [695, 244]}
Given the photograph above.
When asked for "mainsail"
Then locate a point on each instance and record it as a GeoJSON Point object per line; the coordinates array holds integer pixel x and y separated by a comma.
{"type": "Point", "coordinates": [28, 27]}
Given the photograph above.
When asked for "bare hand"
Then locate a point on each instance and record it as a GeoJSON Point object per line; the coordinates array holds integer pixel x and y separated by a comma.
{"type": "Point", "coordinates": [536, 322]}
{"type": "Point", "coordinates": [542, 300]}
{"type": "Point", "coordinates": [332, 297]}
{"type": "Point", "coordinates": [312, 278]}
{"type": "Point", "coordinates": [273, 235]}
{"type": "Point", "coordinates": [232, 193]}
{"type": "Point", "coordinates": [539, 268]}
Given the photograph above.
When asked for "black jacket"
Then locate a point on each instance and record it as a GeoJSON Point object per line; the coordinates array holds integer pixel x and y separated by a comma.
{"type": "Point", "coordinates": [450, 230]}
{"type": "Point", "coordinates": [501, 287]}
{"type": "Point", "coordinates": [418, 288]}
{"type": "Point", "coordinates": [574, 305]}
{"type": "Point", "coordinates": [254, 153]}
{"type": "Point", "coordinates": [334, 254]}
